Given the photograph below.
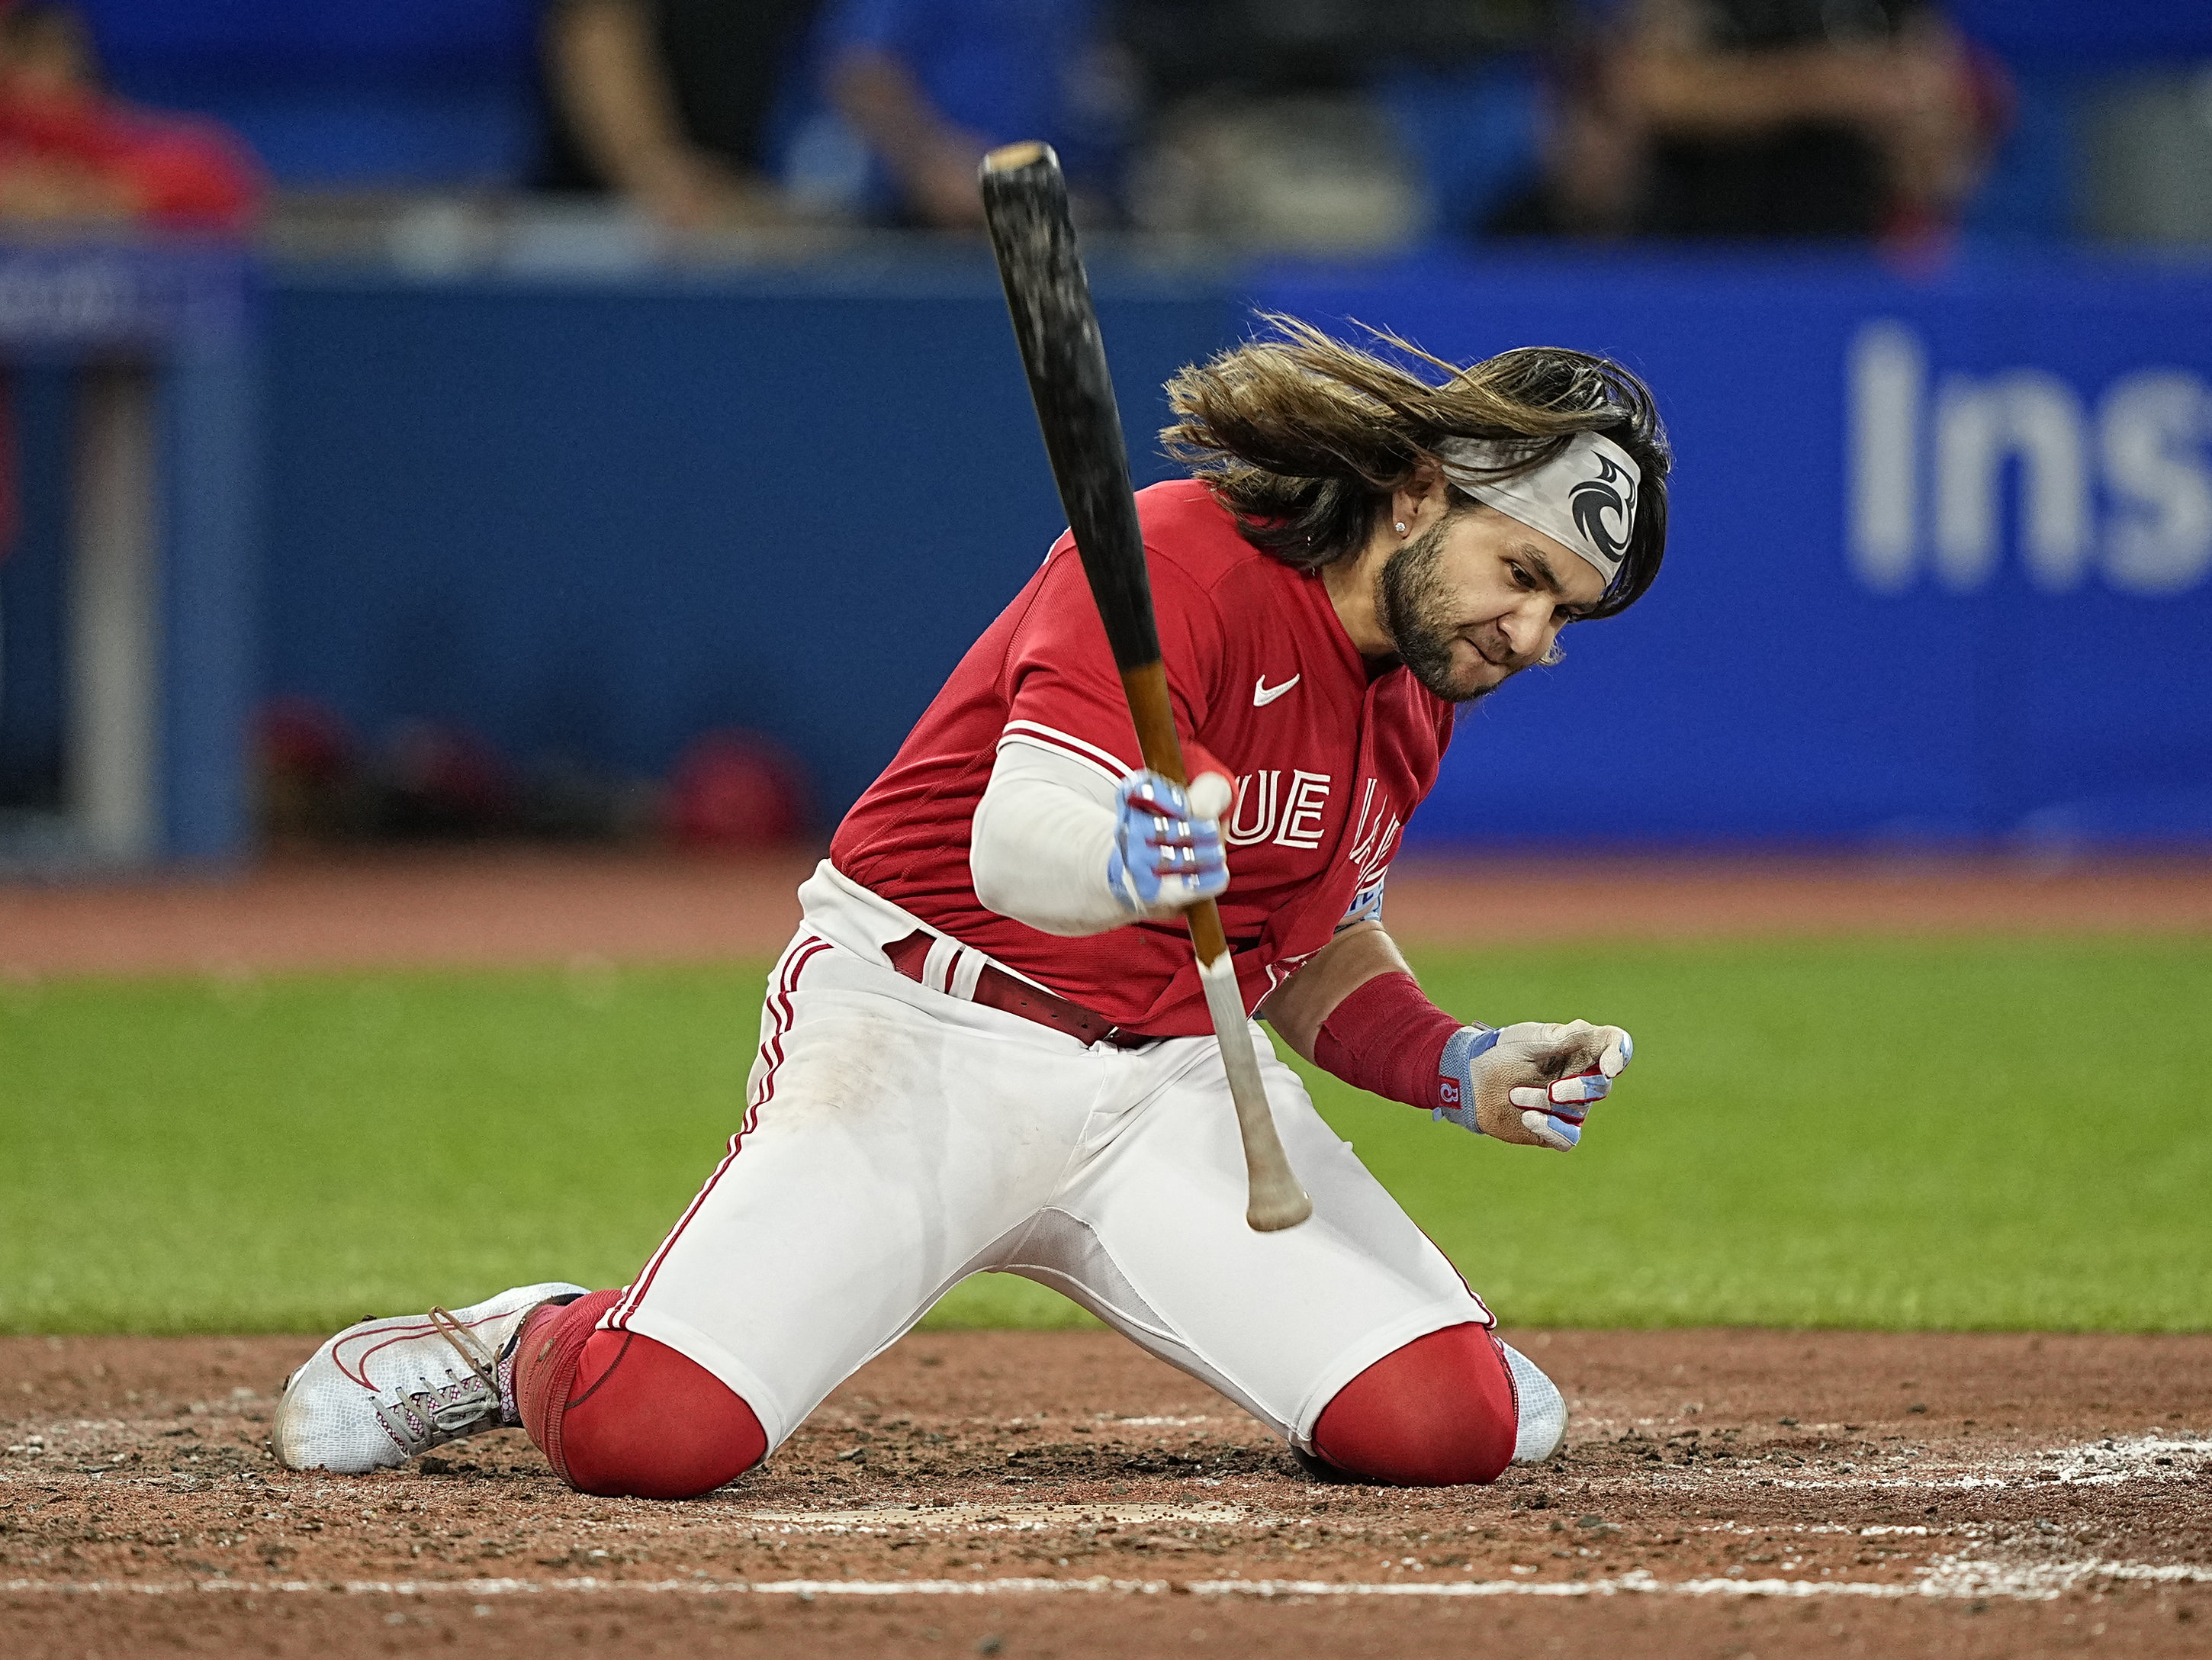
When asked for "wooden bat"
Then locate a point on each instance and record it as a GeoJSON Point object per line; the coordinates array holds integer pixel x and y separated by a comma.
{"type": "Point", "coordinates": [1025, 205]}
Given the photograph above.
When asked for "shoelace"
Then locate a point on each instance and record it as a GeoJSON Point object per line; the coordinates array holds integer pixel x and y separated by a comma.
{"type": "Point", "coordinates": [417, 1419]}
{"type": "Point", "coordinates": [466, 1344]}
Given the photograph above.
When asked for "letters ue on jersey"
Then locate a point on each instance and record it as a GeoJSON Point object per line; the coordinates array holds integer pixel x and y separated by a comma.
{"type": "Point", "coordinates": [1329, 758]}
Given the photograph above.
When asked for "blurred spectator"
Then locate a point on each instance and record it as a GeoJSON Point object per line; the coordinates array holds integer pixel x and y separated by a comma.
{"type": "Point", "coordinates": [930, 85]}
{"type": "Point", "coordinates": [437, 782]}
{"type": "Point", "coordinates": [70, 153]}
{"type": "Point", "coordinates": [308, 771]}
{"type": "Point", "coordinates": [1333, 125]}
{"type": "Point", "coordinates": [736, 791]}
{"type": "Point", "coordinates": [671, 103]}
{"type": "Point", "coordinates": [1768, 118]}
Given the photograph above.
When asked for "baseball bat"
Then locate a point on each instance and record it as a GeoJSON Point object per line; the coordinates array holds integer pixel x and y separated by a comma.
{"type": "Point", "coordinates": [1025, 206]}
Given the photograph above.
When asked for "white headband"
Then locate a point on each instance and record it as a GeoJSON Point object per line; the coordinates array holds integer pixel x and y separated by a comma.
{"type": "Point", "coordinates": [1584, 498]}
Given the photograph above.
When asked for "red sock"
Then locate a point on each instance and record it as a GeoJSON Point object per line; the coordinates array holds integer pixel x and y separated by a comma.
{"type": "Point", "coordinates": [622, 1416]}
{"type": "Point", "coordinates": [1435, 1413]}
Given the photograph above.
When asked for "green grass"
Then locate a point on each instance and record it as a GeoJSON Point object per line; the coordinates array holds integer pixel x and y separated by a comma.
{"type": "Point", "coordinates": [1943, 1135]}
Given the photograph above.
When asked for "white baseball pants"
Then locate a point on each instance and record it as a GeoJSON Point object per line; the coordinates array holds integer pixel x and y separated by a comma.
{"type": "Point", "coordinates": [897, 1139]}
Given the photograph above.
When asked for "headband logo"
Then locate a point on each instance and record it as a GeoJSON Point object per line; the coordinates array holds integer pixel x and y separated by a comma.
{"type": "Point", "coordinates": [1584, 498]}
{"type": "Point", "coordinates": [1598, 506]}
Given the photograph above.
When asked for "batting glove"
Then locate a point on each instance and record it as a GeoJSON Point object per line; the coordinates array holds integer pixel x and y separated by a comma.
{"type": "Point", "coordinates": [1533, 1083]}
{"type": "Point", "coordinates": [1165, 855]}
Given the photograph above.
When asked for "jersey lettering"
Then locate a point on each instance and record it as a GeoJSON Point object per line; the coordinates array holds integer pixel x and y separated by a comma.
{"type": "Point", "coordinates": [1266, 811]}
{"type": "Point", "coordinates": [1373, 833]}
{"type": "Point", "coordinates": [1303, 807]}
{"type": "Point", "coordinates": [1374, 837]}
{"type": "Point", "coordinates": [1261, 788]}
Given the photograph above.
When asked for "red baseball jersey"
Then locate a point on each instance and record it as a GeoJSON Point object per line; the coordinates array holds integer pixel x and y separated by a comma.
{"type": "Point", "coordinates": [1329, 758]}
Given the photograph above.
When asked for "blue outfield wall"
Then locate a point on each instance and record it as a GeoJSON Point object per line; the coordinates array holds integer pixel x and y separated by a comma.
{"type": "Point", "coordinates": [1942, 562]}
{"type": "Point", "coordinates": [1940, 567]}
{"type": "Point", "coordinates": [592, 520]}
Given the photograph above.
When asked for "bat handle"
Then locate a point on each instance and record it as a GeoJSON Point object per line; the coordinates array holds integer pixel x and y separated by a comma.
{"type": "Point", "coordinates": [1147, 688]}
{"type": "Point", "coordinates": [1276, 1200]}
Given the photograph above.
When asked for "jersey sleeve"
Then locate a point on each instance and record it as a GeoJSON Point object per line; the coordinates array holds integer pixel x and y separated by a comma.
{"type": "Point", "coordinates": [1062, 691]}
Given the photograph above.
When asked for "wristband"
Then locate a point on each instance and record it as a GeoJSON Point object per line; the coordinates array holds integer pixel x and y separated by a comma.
{"type": "Point", "coordinates": [1461, 1049]}
{"type": "Point", "coordinates": [1388, 1038]}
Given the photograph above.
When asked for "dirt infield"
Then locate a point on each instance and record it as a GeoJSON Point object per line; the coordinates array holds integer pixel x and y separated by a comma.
{"type": "Point", "coordinates": [1722, 1492]}
{"type": "Point", "coordinates": [495, 907]}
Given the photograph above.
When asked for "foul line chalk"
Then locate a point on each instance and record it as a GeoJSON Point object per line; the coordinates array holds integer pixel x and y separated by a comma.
{"type": "Point", "coordinates": [1950, 1578]}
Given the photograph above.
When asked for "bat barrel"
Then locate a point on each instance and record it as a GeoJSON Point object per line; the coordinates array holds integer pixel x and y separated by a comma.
{"type": "Point", "coordinates": [1025, 207]}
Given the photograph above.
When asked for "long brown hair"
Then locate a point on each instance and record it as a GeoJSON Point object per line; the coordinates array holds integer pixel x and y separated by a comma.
{"type": "Point", "coordinates": [1304, 437]}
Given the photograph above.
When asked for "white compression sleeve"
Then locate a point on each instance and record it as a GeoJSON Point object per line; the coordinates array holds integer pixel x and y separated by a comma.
{"type": "Point", "coordinates": [1038, 849]}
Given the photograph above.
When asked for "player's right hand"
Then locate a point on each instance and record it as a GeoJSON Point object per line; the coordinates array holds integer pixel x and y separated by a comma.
{"type": "Point", "coordinates": [1166, 856]}
{"type": "Point", "coordinates": [1533, 1083]}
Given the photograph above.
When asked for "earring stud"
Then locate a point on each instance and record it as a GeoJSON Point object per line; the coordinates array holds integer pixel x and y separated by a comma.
{"type": "Point", "coordinates": [1402, 527]}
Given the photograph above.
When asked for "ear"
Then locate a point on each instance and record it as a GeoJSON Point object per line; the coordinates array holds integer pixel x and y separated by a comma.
{"type": "Point", "coordinates": [1424, 488]}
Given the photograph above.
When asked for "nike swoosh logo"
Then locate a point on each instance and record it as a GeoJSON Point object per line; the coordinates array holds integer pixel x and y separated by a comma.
{"type": "Point", "coordinates": [1263, 694]}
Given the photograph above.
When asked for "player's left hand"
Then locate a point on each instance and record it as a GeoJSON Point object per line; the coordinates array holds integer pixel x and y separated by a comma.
{"type": "Point", "coordinates": [1533, 1083]}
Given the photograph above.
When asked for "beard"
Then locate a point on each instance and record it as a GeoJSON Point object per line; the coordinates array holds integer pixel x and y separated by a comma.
{"type": "Point", "coordinates": [1411, 597]}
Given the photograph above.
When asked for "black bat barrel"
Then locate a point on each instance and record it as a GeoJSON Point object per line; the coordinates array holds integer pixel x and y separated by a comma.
{"type": "Point", "coordinates": [1025, 205]}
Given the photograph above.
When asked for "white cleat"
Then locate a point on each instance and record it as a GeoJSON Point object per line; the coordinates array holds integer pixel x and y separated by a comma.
{"type": "Point", "coordinates": [1543, 1410]}
{"type": "Point", "coordinates": [380, 1392]}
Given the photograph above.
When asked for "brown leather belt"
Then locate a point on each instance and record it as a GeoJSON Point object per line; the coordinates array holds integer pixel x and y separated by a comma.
{"type": "Point", "coordinates": [997, 990]}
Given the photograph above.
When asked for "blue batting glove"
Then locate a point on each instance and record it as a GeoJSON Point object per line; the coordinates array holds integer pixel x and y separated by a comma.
{"type": "Point", "coordinates": [1165, 856]}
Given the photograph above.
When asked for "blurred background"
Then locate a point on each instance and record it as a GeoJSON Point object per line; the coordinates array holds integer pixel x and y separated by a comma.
{"type": "Point", "coordinates": [461, 461]}
{"type": "Point", "coordinates": [594, 421]}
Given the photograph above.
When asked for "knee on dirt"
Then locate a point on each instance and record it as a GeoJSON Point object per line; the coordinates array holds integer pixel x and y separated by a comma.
{"type": "Point", "coordinates": [621, 1416]}
{"type": "Point", "coordinates": [1439, 1412]}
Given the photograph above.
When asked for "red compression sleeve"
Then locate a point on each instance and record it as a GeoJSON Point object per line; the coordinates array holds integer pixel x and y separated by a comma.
{"type": "Point", "coordinates": [618, 1414]}
{"type": "Point", "coordinates": [1438, 1412]}
{"type": "Point", "coordinates": [1387, 1037]}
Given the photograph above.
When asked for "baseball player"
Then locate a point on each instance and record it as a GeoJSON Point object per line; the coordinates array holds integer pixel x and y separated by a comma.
{"type": "Point", "coordinates": [987, 1048]}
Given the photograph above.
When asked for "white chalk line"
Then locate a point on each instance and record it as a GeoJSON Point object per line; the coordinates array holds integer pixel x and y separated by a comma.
{"type": "Point", "coordinates": [1005, 1518]}
{"type": "Point", "coordinates": [1950, 1578]}
{"type": "Point", "coordinates": [2154, 1457]}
